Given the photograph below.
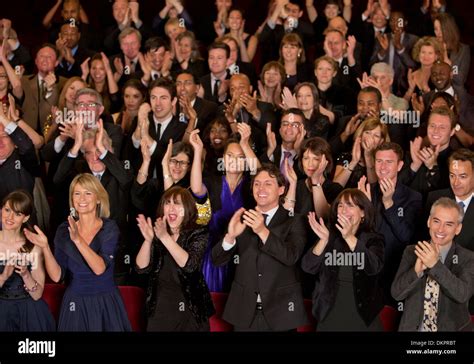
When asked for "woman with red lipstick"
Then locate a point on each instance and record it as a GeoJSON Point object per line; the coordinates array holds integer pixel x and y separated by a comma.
{"type": "Point", "coordinates": [22, 270]}
{"type": "Point", "coordinates": [171, 254]}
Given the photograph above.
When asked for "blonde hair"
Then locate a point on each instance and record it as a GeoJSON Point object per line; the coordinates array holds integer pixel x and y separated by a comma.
{"type": "Point", "coordinates": [92, 184]}
{"type": "Point", "coordinates": [371, 124]}
{"type": "Point", "coordinates": [62, 96]}
{"type": "Point", "coordinates": [427, 42]}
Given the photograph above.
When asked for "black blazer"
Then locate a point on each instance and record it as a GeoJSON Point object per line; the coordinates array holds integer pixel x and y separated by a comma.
{"type": "Point", "coordinates": [81, 55]}
{"type": "Point", "coordinates": [269, 269]}
{"type": "Point", "coordinates": [456, 280]}
{"type": "Point", "coordinates": [368, 295]}
{"type": "Point", "coordinates": [206, 112]}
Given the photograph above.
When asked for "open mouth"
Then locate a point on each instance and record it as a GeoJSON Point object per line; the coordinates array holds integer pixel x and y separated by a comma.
{"type": "Point", "coordinates": [172, 217]}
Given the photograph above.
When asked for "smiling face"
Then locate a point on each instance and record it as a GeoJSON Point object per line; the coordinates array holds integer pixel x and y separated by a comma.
{"type": "Point", "coordinates": [387, 165]}
{"type": "Point", "coordinates": [290, 51]}
{"type": "Point", "coordinates": [427, 55]}
{"type": "Point", "coordinates": [217, 60]}
{"type": "Point", "coordinates": [173, 211]}
{"type": "Point", "coordinates": [179, 166]}
{"type": "Point", "coordinates": [185, 46]}
{"type": "Point", "coordinates": [12, 220]}
{"type": "Point", "coordinates": [305, 99]}
{"type": "Point", "coordinates": [378, 18]}
{"type": "Point", "coordinates": [234, 159]}
{"type": "Point", "coordinates": [461, 178]}
{"type": "Point", "coordinates": [272, 78]}
{"type": "Point", "coordinates": [443, 225]}
{"type": "Point", "coordinates": [71, 91]}
{"type": "Point", "coordinates": [441, 76]}
{"type": "Point", "coordinates": [375, 133]}
{"type": "Point", "coordinates": [130, 46]}
{"type": "Point", "coordinates": [46, 60]}
{"type": "Point", "coordinates": [119, 10]}
{"type": "Point", "coordinates": [310, 162]}
{"type": "Point", "coordinates": [235, 20]}
{"type": "Point", "coordinates": [439, 130]}
{"type": "Point", "coordinates": [347, 208]}
{"type": "Point", "coordinates": [367, 101]}
{"type": "Point", "coordinates": [331, 11]}
{"type": "Point", "coordinates": [218, 135]}
{"type": "Point", "coordinates": [161, 103]}
{"type": "Point", "coordinates": [98, 72]}
{"type": "Point", "coordinates": [83, 200]}
{"type": "Point", "coordinates": [291, 125]}
{"type": "Point", "coordinates": [156, 58]}
{"type": "Point", "coordinates": [266, 191]}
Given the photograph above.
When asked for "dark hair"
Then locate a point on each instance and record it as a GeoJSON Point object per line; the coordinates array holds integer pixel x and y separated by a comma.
{"type": "Point", "coordinates": [278, 66]}
{"type": "Point", "coordinates": [137, 85]}
{"type": "Point", "coordinates": [314, 92]}
{"type": "Point", "coordinates": [371, 89]}
{"type": "Point", "coordinates": [48, 45]}
{"type": "Point", "coordinates": [293, 110]}
{"type": "Point", "coordinates": [452, 103]}
{"type": "Point", "coordinates": [463, 155]}
{"type": "Point", "coordinates": [222, 121]}
{"type": "Point", "coordinates": [390, 146]}
{"type": "Point", "coordinates": [318, 146]}
{"type": "Point", "coordinates": [359, 199]}
{"type": "Point", "coordinates": [220, 45]}
{"type": "Point", "coordinates": [21, 202]}
{"type": "Point", "coordinates": [274, 172]}
{"type": "Point", "coordinates": [189, 205]}
{"type": "Point", "coordinates": [154, 43]}
{"type": "Point", "coordinates": [181, 147]}
{"type": "Point", "coordinates": [188, 72]}
{"type": "Point", "coordinates": [163, 83]}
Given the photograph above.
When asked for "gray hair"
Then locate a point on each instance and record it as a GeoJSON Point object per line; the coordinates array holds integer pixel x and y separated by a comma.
{"type": "Point", "coordinates": [382, 67]}
{"type": "Point", "coordinates": [448, 203]}
{"type": "Point", "coordinates": [92, 92]}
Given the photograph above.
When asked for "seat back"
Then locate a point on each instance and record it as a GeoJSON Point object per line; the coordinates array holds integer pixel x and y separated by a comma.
{"type": "Point", "coordinates": [216, 322]}
{"type": "Point", "coordinates": [134, 301]}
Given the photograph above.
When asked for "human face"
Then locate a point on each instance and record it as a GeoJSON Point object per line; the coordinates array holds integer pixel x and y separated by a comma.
{"type": "Point", "coordinates": [156, 58]}
{"type": "Point", "coordinates": [305, 99]}
{"type": "Point", "coordinates": [185, 86]}
{"type": "Point", "coordinates": [119, 10]}
{"type": "Point", "coordinates": [397, 23]}
{"type": "Point", "coordinates": [218, 136]}
{"type": "Point", "coordinates": [427, 55]}
{"type": "Point", "coordinates": [441, 76]}
{"type": "Point", "coordinates": [336, 44]}
{"type": "Point", "coordinates": [161, 103]}
{"type": "Point", "coordinates": [438, 102]}
{"type": "Point", "coordinates": [98, 72]}
{"type": "Point", "coordinates": [12, 220]}
{"type": "Point", "coordinates": [179, 166]}
{"type": "Point", "coordinates": [387, 165]}
{"type": "Point", "coordinates": [443, 225]}
{"type": "Point", "coordinates": [347, 208]}
{"type": "Point", "coordinates": [439, 130]}
{"type": "Point", "coordinates": [84, 201]}
{"type": "Point", "coordinates": [235, 20]}
{"type": "Point", "coordinates": [266, 191]}
{"type": "Point", "coordinates": [331, 11]}
{"type": "Point", "coordinates": [88, 104]}
{"type": "Point", "coordinates": [293, 10]}
{"type": "Point", "coordinates": [339, 24]}
{"type": "Point", "coordinates": [378, 18]}
{"type": "Point", "coordinates": [185, 46]}
{"type": "Point", "coordinates": [3, 78]}
{"type": "Point", "coordinates": [310, 162]}
{"type": "Point", "coordinates": [71, 91]}
{"type": "Point", "coordinates": [217, 61]}
{"type": "Point", "coordinates": [384, 79]}
{"type": "Point", "coordinates": [272, 78]}
{"type": "Point", "coordinates": [91, 155]}
{"type": "Point", "coordinates": [46, 60]}
{"type": "Point", "coordinates": [6, 144]}
{"type": "Point", "coordinates": [324, 73]}
{"type": "Point", "coordinates": [437, 30]}
{"type": "Point", "coordinates": [290, 52]}
{"type": "Point", "coordinates": [70, 11]}
{"type": "Point", "coordinates": [173, 30]}
{"type": "Point", "coordinates": [132, 99]}
{"type": "Point", "coordinates": [130, 46]}
{"type": "Point", "coordinates": [173, 212]}
{"type": "Point", "coordinates": [461, 178]}
{"type": "Point", "coordinates": [234, 51]}
{"type": "Point", "coordinates": [71, 35]}
{"type": "Point", "coordinates": [234, 159]}
{"type": "Point", "coordinates": [221, 4]}
{"type": "Point", "coordinates": [291, 126]}
{"type": "Point", "coordinates": [366, 102]}
{"type": "Point", "coordinates": [239, 86]}
{"type": "Point", "coordinates": [376, 134]}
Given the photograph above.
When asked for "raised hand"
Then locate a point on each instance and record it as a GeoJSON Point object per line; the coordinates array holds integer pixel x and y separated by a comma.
{"type": "Point", "coordinates": [356, 151]}
{"type": "Point", "coordinates": [196, 141]}
{"type": "Point", "coordinates": [387, 187]}
{"type": "Point", "coordinates": [85, 68]}
{"type": "Point", "coordinates": [347, 228]}
{"type": "Point", "coordinates": [236, 226]}
{"type": "Point", "coordinates": [38, 238]}
{"type": "Point", "coordinates": [160, 228]}
{"type": "Point", "coordinates": [254, 219]}
{"type": "Point", "coordinates": [364, 187]}
{"type": "Point", "coordinates": [415, 147]}
{"type": "Point", "coordinates": [118, 64]}
{"type": "Point", "coordinates": [288, 99]}
{"type": "Point", "coordinates": [271, 140]}
{"type": "Point", "coordinates": [427, 253]}
{"type": "Point", "coordinates": [319, 228]}
{"type": "Point", "coordinates": [245, 131]}
{"type": "Point", "coordinates": [145, 149]}
{"type": "Point", "coordinates": [73, 230]}
{"type": "Point", "coordinates": [99, 137]}
{"type": "Point", "coordinates": [290, 173]}
{"type": "Point", "coordinates": [429, 156]}
{"type": "Point", "coordinates": [318, 175]}
{"type": "Point", "coordinates": [146, 227]}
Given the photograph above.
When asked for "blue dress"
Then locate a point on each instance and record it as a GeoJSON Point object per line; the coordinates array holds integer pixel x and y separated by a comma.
{"type": "Point", "coordinates": [91, 302]}
{"type": "Point", "coordinates": [20, 312]}
{"type": "Point", "coordinates": [218, 279]}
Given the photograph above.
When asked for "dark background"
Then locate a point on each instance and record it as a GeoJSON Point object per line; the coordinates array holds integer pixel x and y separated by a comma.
{"type": "Point", "coordinates": [27, 15]}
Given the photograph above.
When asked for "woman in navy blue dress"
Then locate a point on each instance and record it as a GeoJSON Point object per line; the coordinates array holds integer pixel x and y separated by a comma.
{"type": "Point", "coordinates": [84, 257]}
{"type": "Point", "coordinates": [21, 271]}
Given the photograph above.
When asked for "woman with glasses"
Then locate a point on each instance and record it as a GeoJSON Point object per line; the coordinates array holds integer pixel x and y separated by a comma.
{"type": "Point", "coordinates": [227, 193]}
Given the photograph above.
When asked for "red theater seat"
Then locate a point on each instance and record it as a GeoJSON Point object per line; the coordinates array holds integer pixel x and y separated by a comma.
{"type": "Point", "coordinates": [134, 300]}
{"type": "Point", "coordinates": [390, 318]}
{"type": "Point", "coordinates": [311, 327]}
{"type": "Point", "coordinates": [53, 295]}
{"type": "Point", "coordinates": [216, 322]}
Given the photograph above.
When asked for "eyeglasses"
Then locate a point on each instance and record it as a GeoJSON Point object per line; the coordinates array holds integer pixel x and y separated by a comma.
{"type": "Point", "coordinates": [286, 124]}
{"type": "Point", "coordinates": [87, 104]}
{"type": "Point", "coordinates": [180, 164]}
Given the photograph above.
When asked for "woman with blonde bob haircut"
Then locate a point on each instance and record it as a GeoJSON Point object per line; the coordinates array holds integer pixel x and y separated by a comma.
{"type": "Point", "coordinates": [85, 247]}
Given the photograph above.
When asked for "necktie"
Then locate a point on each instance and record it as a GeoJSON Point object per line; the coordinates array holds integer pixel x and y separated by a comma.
{"type": "Point", "coordinates": [42, 89]}
{"type": "Point", "coordinates": [98, 176]}
{"type": "Point", "coordinates": [158, 131]}
{"type": "Point", "coordinates": [132, 66]}
{"type": "Point", "coordinates": [286, 155]}
{"type": "Point", "coordinates": [215, 92]}
{"type": "Point", "coordinates": [462, 204]}
{"type": "Point", "coordinates": [430, 305]}
{"type": "Point", "coordinates": [265, 216]}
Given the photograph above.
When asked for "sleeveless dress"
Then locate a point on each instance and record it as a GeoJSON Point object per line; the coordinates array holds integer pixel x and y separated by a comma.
{"type": "Point", "coordinates": [91, 302]}
{"type": "Point", "coordinates": [20, 312]}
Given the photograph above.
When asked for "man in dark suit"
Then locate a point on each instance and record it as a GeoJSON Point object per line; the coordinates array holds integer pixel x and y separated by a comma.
{"type": "Point", "coordinates": [187, 87]}
{"type": "Point", "coordinates": [267, 243]}
{"type": "Point", "coordinates": [395, 49]}
{"type": "Point", "coordinates": [436, 278]}
{"type": "Point", "coordinates": [397, 208]}
{"type": "Point", "coordinates": [155, 125]}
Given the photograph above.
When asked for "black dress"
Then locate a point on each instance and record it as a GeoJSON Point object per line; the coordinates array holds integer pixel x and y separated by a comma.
{"type": "Point", "coordinates": [20, 312]}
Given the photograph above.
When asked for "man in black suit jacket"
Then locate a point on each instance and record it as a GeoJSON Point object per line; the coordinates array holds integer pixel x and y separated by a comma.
{"type": "Point", "coordinates": [443, 261]}
{"type": "Point", "coordinates": [397, 208]}
{"type": "Point", "coordinates": [267, 243]}
{"type": "Point", "coordinates": [155, 125]}
{"type": "Point", "coordinates": [187, 87]}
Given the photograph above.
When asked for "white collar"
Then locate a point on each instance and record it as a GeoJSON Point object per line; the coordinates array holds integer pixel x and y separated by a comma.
{"type": "Point", "coordinates": [164, 124]}
{"type": "Point", "coordinates": [270, 214]}
{"type": "Point", "coordinates": [466, 202]}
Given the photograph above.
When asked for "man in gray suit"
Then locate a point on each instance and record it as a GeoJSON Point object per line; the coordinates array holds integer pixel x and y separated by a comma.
{"type": "Point", "coordinates": [439, 273]}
